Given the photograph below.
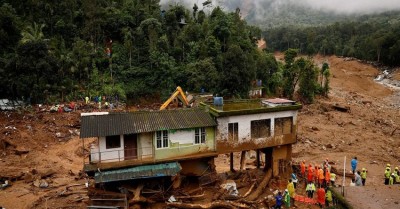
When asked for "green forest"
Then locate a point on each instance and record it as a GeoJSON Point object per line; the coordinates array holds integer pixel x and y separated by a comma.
{"type": "Point", "coordinates": [369, 37]}
{"type": "Point", "coordinates": [56, 51]}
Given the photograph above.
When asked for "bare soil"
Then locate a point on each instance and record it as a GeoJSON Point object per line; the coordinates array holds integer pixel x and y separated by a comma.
{"type": "Point", "coordinates": [37, 143]}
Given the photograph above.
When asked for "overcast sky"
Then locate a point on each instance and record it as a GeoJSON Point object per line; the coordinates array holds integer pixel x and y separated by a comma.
{"type": "Point", "coordinates": [339, 6]}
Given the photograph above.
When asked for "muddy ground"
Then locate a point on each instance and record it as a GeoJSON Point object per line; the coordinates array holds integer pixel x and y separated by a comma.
{"type": "Point", "coordinates": [43, 149]}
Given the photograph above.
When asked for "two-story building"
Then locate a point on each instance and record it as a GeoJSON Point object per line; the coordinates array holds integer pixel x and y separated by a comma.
{"type": "Point", "coordinates": [148, 144]}
{"type": "Point", "coordinates": [266, 125]}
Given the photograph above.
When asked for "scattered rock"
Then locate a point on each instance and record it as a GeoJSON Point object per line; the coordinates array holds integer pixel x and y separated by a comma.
{"type": "Point", "coordinates": [323, 147]}
{"type": "Point", "coordinates": [330, 146]}
{"type": "Point", "coordinates": [314, 128]}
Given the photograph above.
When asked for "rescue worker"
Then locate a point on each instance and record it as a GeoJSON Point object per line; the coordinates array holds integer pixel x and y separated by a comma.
{"type": "Point", "coordinates": [357, 178]}
{"type": "Point", "coordinates": [387, 175]}
{"type": "Point", "coordinates": [286, 198]}
{"type": "Point", "coordinates": [310, 174]}
{"type": "Point", "coordinates": [278, 201]}
{"type": "Point", "coordinates": [290, 188]}
{"type": "Point", "coordinates": [354, 163]}
{"type": "Point", "coordinates": [327, 177]}
{"type": "Point", "coordinates": [303, 168]}
{"type": "Point", "coordinates": [327, 164]}
{"type": "Point", "coordinates": [333, 179]}
{"type": "Point", "coordinates": [397, 176]}
{"type": "Point", "coordinates": [86, 100]}
{"type": "Point", "coordinates": [321, 197]}
{"type": "Point", "coordinates": [321, 177]}
{"type": "Point", "coordinates": [310, 189]}
{"type": "Point", "coordinates": [391, 179]}
{"type": "Point", "coordinates": [316, 172]}
{"type": "Point", "coordinates": [363, 176]}
{"type": "Point", "coordinates": [294, 180]}
{"type": "Point", "coordinates": [328, 196]}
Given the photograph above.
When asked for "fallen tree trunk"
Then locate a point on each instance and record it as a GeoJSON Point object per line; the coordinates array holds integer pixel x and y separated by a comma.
{"type": "Point", "coordinates": [261, 187]}
{"type": "Point", "coordinates": [216, 204]}
{"type": "Point", "coordinates": [250, 190]}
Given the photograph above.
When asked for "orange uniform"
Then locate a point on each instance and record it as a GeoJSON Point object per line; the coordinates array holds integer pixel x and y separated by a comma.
{"type": "Point", "coordinates": [321, 176]}
{"type": "Point", "coordinates": [303, 168]}
{"type": "Point", "coordinates": [327, 176]}
{"type": "Point", "coordinates": [310, 172]}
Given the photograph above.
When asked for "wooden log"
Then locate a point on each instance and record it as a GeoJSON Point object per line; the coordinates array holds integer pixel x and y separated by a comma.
{"type": "Point", "coordinates": [261, 187]}
{"type": "Point", "coordinates": [242, 160]}
{"type": "Point", "coordinates": [250, 190]}
{"type": "Point", "coordinates": [138, 190]}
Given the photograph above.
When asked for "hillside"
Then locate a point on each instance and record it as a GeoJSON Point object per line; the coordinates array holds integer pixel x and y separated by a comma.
{"type": "Point", "coordinates": [46, 145]}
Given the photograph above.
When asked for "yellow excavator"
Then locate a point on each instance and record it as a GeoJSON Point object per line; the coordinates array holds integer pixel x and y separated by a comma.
{"type": "Point", "coordinates": [174, 96]}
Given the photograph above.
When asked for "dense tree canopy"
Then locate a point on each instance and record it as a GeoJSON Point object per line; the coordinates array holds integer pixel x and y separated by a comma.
{"type": "Point", "coordinates": [374, 38]}
{"type": "Point", "coordinates": [53, 51]}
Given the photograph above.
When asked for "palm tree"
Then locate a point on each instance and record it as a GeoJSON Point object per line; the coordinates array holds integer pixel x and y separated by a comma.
{"type": "Point", "coordinates": [32, 33]}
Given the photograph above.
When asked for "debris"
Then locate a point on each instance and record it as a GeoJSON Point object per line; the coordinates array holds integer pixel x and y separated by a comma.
{"type": "Point", "coordinates": [41, 183]}
{"type": "Point", "coordinates": [261, 186]}
{"type": "Point", "coordinates": [230, 186]}
{"type": "Point", "coordinates": [21, 151]}
{"type": "Point", "coordinates": [172, 199]}
{"type": "Point", "coordinates": [314, 128]}
{"type": "Point", "coordinates": [341, 108]}
{"type": "Point", "coordinates": [5, 185]}
{"type": "Point", "coordinates": [323, 147]}
{"type": "Point", "coordinates": [250, 190]}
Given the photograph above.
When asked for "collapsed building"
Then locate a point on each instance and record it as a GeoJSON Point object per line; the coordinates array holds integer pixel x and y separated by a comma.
{"type": "Point", "coordinates": [147, 146]}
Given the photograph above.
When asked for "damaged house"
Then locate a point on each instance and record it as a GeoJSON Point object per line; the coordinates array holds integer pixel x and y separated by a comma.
{"type": "Point", "coordinates": [148, 144]}
{"type": "Point", "coordinates": [268, 126]}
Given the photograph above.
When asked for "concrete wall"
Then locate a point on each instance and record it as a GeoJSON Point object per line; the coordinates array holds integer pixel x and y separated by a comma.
{"type": "Point", "coordinates": [99, 152]}
{"type": "Point", "coordinates": [245, 142]}
{"type": "Point", "coordinates": [181, 143]}
{"type": "Point", "coordinates": [283, 152]}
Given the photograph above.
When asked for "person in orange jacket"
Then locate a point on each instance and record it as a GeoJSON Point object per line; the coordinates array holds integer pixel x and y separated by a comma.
{"type": "Point", "coordinates": [316, 172]}
{"type": "Point", "coordinates": [327, 177]}
{"type": "Point", "coordinates": [321, 177]}
{"type": "Point", "coordinates": [310, 173]}
{"type": "Point", "coordinates": [303, 168]}
{"type": "Point", "coordinates": [321, 197]}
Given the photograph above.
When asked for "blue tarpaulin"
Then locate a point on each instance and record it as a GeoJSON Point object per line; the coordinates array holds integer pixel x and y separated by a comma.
{"type": "Point", "coordinates": [138, 172]}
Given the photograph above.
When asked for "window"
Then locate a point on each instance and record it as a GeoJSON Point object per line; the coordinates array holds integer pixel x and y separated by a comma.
{"type": "Point", "coordinates": [233, 131]}
{"type": "Point", "coordinates": [200, 135]}
{"type": "Point", "coordinates": [113, 142]}
{"type": "Point", "coordinates": [283, 126]}
{"type": "Point", "coordinates": [260, 128]}
{"type": "Point", "coordinates": [162, 139]}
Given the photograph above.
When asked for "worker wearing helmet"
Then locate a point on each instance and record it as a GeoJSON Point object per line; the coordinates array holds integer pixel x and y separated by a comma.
{"type": "Point", "coordinates": [396, 176]}
{"type": "Point", "coordinates": [391, 179]}
{"type": "Point", "coordinates": [387, 175]}
{"type": "Point", "coordinates": [303, 168]}
{"type": "Point", "coordinates": [363, 176]}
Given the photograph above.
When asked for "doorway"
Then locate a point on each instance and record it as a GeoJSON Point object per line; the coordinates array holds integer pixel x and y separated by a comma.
{"type": "Point", "coordinates": [130, 147]}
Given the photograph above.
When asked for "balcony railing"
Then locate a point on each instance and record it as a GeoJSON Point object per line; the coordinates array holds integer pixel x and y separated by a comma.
{"type": "Point", "coordinates": [118, 155]}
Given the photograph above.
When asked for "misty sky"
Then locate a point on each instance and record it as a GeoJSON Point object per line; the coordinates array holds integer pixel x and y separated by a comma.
{"type": "Point", "coordinates": [338, 6]}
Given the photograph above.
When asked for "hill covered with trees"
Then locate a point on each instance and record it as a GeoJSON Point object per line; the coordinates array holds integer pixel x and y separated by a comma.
{"type": "Point", "coordinates": [369, 37]}
{"type": "Point", "coordinates": [59, 51]}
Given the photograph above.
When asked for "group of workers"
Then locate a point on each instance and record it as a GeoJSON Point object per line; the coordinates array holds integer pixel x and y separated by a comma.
{"type": "Point", "coordinates": [98, 100]}
{"type": "Point", "coordinates": [392, 177]}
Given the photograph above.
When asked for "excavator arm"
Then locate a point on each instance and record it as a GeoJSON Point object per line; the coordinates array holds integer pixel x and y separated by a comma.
{"type": "Point", "coordinates": [173, 96]}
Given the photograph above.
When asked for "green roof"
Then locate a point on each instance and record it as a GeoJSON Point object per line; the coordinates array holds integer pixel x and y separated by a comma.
{"type": "Point", "coordinates": [138, 172]}
{"type": "Point", "coordinates": [143, 121]}
{"type": "Point", "coordinates": [244, 107]}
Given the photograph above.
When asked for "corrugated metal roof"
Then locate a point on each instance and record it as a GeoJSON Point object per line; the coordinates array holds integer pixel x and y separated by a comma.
{"type": "Point", "coordinates": [138, 172]}
{"type": "Point", "coordinates": [141, 122]}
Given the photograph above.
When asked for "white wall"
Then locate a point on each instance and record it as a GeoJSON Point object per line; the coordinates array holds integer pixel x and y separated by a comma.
{"type": "Point", "coordinates": [110, 155]}
{"type": "Point", "coordinates": [182, 136]}
{"type": "Point", "coordinates": [244, 123]}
